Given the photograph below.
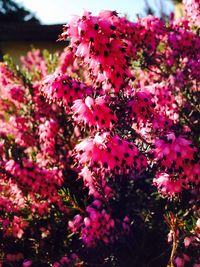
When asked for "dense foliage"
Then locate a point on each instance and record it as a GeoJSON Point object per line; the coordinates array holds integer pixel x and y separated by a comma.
{"type": "Point", "coordinates": [99, 146]}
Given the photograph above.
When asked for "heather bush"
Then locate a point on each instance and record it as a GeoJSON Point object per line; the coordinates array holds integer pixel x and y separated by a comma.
{"type": "Point", "coordinates": [99, 146]}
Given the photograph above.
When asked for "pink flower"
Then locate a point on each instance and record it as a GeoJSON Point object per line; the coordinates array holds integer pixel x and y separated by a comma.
{"type": "Point", "coordinates": [168, 186]}
{"type": "Point", "coordinates": [179, 262]}
{"type": "Point", "coordinates": [111, 153]}
{"type": "Point", "coordinates": [141, 106]}
{"type": "Point", "coordinates": [34, 62]}
{"type": "Point", "coordinates": [67, 61]}
{"type": "Point", "coordinates": [192, 8]}
{"type": "Point", "coordinates": [97, 41]}
{"type": "Point", "coordinates": [175, 155]}
{"type": "Point", "coordinates": [62, 89]}
{"type": "Point", "coordinates": [94, 112]}
{"type": "Point", "coordinates": [75, 224]}
{"type": "Point", "coordinates": [18, 227]}
{"type": "Point", "coordinates": [27, 263]}
{"type": "Point", "coordinates": [47, 135]}
{"type": "Point", "coordinates": [98, 225]}
{"type": "Point", "coordinates": [198, 223]}
{"type": "Point", "coordinates": [187, 241]}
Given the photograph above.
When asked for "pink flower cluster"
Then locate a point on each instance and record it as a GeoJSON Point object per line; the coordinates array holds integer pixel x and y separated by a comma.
{"type": "Point", "coordinates": [62, 89]}
{"type": "Point", "coordinates": [94, 112]}
{"type": "Point", "coordinates": [78, 136]}
{"type": "Point", "coordinates": [14, 227]}
{"type": "Point", "coordinates": [96, 183]}
{"type": "Point", "coordinates": [111, 153]}
{"type": "Point", "coordinates": [98, 42]}
{"type": "Point", "coordinates": [66, 261]}
{"type": "Point", "coordinates": [34, 62]}
{"type": "Point", "coordinates": [97, 225]}
{"type": "Point", "coordinates": [36, 180]}
{"type": "Point", "coordinates": [11, 197]}
{"type": "Point", "coordinates": [47, 134]}
{"type": "Point", "coordinates": [141, 106]}
{"type": "Point", "coordinates": [11, 87]}
{"type": "Point", "coordinates": [106, 155]}
{"type": "Point", "coordinates": [192, 9]}
{"type": "Point", "coordinates": [177, 157]}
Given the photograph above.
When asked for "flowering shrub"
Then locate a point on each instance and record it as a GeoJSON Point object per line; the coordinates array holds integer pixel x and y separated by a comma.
{"type": "Point", "coordinates": [100, 144]}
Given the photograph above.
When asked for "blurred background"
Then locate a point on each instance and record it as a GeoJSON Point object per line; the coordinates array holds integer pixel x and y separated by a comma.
{"type": "Point", "coordinates": [32, 23]}
{"type": "Point", "coordinates": [60, 11]}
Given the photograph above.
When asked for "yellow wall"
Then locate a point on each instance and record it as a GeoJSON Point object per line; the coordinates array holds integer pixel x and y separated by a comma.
{"type": "Point", "coordinates": [179, 11]}
{"type": "Point", "coordinates": [18, 48]}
